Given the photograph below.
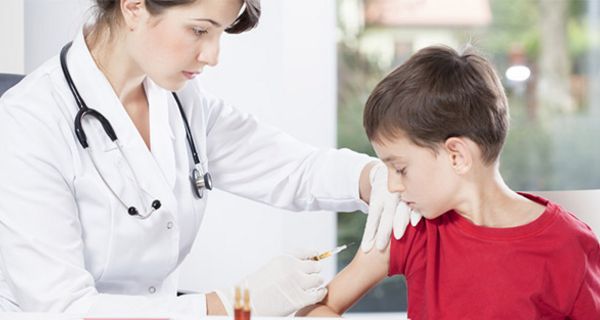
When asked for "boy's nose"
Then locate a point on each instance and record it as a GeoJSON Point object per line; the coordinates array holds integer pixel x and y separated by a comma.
{"type": "Point", "coordinates": [395, 185]}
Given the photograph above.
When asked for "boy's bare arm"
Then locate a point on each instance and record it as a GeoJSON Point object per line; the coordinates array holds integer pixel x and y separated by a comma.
{"type": "Point", "coordinates": [364, 272]}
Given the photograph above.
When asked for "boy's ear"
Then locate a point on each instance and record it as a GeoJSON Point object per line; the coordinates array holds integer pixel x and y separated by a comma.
{"type": "Point", "coordinates": [459, 153]}
{"type": "Point", "coordinates": [132, 11]}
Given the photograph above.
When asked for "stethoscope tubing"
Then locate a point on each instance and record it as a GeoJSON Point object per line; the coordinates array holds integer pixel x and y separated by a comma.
{"type": "Point", "coordinates": [199, 179]}
{"type": "Point", "coordinates": [188, 132]}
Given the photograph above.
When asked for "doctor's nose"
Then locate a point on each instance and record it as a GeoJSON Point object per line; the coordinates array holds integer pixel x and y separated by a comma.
{"type": "Point", "coordinates": [209, 53]}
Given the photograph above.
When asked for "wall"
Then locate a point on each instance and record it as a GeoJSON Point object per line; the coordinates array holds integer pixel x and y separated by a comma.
{"type": "Point", "coordinates": [12, 48]}
{"type": "Point", "coordinates": [49, 24]}
{"type": "Point", "coordinates": [584, 204]}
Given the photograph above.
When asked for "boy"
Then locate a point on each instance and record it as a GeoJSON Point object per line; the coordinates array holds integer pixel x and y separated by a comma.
{"type": "Point", "coordinates": [439, 122]}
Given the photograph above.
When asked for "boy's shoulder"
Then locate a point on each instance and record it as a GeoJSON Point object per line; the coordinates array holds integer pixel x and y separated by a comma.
{"type": "Point", "coordinates": [566, 226]}
{"type": "Point", "coordinates": [556, 227]}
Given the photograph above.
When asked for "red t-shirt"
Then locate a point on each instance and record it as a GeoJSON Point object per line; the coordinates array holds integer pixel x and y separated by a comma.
{"type": "Point", "coordinates": [546, 269]}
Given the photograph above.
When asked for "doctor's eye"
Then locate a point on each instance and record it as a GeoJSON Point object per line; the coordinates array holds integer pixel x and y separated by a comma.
{"type": "Point", "coordinates": [199, 31]}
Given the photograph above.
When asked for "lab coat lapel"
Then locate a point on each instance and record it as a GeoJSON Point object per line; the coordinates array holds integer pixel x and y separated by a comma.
{"type": "Point", "coordinates": [161, 134]}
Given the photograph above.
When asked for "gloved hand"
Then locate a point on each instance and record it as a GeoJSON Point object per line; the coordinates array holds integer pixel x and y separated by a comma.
{"type": "Point", "coordinates": [284, 285]}
{"type": "Point", "coordinates": [386, 212]}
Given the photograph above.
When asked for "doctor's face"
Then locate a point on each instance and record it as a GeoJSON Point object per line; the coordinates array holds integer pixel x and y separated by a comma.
{"type": "Point", "coordinates": [174, 46]}
{"type": "Point", "coordinates": [423, 177]}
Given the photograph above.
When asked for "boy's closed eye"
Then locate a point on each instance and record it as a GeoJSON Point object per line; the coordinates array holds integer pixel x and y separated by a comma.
{"type": "Point", "coordinates": [400, 171]}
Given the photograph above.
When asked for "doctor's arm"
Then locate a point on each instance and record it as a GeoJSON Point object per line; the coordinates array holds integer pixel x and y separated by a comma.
{"type": "Point", "coordinates": [364, 183]}
{"type": "Point", "coordinates": [40, 235]}
{"type": "Point", "coordinates": [364, 272]}
{"type": "Point", "coordinates": [257, 161]}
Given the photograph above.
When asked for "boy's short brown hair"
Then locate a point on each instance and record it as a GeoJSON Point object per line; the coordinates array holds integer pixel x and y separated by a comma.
{"type": "Point", "coordinates": [437, 94]}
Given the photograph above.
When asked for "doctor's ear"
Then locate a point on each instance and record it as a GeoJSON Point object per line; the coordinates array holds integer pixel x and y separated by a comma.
{"type": "Point", "coordinates": [133, 11]}
{"type": "Point", "coordinates": [460, 154]}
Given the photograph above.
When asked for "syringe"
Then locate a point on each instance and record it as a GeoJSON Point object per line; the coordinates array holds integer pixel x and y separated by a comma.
{"type": "Point", "coordinates": [332, 252]}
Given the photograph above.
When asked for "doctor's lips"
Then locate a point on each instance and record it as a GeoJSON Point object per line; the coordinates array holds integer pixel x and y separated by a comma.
{"type": "Point", "coordinates": [190, 74]}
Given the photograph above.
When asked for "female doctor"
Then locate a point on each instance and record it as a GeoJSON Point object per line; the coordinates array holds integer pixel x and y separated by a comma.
{"type": "Point", "coordinates": [105, 172]}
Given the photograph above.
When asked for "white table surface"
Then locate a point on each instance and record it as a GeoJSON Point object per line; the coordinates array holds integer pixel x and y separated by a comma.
{"type": "Point", "coordinates": [48, 316]}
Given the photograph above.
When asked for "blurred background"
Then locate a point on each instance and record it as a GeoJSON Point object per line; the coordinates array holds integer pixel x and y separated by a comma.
{"type": "Point", "coordinates": [546, 53]}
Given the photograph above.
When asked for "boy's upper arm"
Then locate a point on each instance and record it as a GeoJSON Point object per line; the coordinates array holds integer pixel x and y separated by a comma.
{"type": "Point", "coordinates": [587, 303]}
{"type": "Point", "coordinates": [364, 272]}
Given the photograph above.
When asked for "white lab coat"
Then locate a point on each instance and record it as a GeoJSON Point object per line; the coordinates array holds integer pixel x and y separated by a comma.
{"type": "Point", "coordinates": [68, 245]}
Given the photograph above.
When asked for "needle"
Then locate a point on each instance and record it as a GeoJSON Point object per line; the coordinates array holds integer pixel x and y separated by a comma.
{"type": "Point", "coordinates": [332, 252]}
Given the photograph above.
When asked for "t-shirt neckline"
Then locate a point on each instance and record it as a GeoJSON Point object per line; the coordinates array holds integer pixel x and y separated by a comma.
{"type": "Point", "coordinates": [511, 233]}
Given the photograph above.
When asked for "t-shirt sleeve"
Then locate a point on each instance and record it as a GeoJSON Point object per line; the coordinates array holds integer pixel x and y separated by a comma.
{"type": "Point", "coordinates": [407, 254]}
{"type": "Point", "coordinates": [587, 302]}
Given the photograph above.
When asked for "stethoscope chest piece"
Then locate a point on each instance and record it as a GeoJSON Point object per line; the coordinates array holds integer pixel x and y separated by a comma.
{"type": "Point", "coordinates": [200, 181]}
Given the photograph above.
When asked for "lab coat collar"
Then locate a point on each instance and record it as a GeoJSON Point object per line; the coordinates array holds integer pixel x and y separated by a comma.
{"type": "Point", "coordinates": [98, 94]}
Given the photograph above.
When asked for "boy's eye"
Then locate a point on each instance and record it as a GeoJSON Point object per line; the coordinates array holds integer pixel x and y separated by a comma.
{"type": "Point", "coordinates": [199, 31]}
{"type": "Point", "coordinates": [401, 171]}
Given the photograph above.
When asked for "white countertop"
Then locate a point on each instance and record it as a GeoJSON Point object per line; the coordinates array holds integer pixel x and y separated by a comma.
{"type": "Point", "coordinates": [50, 316]}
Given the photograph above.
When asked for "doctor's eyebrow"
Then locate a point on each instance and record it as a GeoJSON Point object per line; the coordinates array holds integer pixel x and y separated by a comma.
{"type": "Point", "coordinates": [213, 22]}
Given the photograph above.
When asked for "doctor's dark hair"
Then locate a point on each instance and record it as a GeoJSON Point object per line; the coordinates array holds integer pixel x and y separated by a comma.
{"type": "Point", "coordinates": [108, 10]}
{"type": "Point", "coordinates": [438, 94]}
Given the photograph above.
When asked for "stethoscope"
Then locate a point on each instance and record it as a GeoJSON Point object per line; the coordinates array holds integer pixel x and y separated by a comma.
{"type": "Point", "coordinates": [199, 179]}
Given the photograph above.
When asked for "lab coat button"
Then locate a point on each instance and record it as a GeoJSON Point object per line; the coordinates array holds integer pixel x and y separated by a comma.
{"type": "Point", "coordinates": [170, 225]}
{"type": "Point", "coordinates": [152, 289]}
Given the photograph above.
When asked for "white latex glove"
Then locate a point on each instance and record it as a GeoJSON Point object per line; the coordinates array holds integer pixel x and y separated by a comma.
{"type": "Point", "coordinates": [283, 286]}
{"type": "Point", "coordinates": [386, 212]}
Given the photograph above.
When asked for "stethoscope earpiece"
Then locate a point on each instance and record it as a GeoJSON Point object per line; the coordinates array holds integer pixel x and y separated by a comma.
{"type": "Point", "coordinates": [200, 180]}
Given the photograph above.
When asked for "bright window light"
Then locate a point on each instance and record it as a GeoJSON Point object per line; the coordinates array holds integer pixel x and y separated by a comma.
{"type": "Point", "coordinates": [518, 73]}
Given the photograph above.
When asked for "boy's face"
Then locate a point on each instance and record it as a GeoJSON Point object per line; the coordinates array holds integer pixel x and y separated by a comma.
{"type": "Point", "coordinates": [425, 180]}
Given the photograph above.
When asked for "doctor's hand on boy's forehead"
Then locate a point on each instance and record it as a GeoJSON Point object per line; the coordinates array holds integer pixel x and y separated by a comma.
{"type": "Point", "coordinates": [387, 212]}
